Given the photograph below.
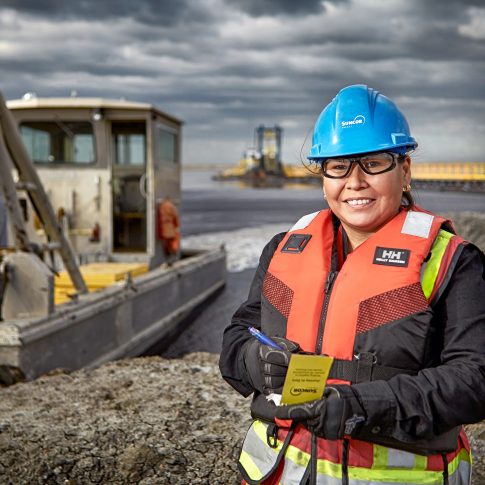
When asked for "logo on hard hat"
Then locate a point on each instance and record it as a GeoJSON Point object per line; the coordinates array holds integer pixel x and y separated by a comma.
{"type": "Point", "coordinates": [358, 120]}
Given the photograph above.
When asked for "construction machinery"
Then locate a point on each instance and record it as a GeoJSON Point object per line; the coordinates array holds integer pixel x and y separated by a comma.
{"type": "Point", "coordinates": [261, 165]}
{"type": "Point", "coordinates": [84, 276]}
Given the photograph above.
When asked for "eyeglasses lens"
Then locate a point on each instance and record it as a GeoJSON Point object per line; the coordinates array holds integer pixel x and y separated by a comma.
{"type": "Point", "coordinates": [370, 164]}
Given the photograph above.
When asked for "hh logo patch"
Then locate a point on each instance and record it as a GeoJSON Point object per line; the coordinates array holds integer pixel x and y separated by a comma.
{"type": "Point", "coordinates": [392, 257]}
{"type": "Point", "coordinates": [296, 243]}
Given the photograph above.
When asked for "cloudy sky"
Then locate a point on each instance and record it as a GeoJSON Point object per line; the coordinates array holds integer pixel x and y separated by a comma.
{"type": "Point", "coordinates": [226, 66]}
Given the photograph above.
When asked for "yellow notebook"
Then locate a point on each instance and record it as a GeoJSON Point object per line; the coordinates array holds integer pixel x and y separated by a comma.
{"type": "Point", "coordinates": [306, 378]}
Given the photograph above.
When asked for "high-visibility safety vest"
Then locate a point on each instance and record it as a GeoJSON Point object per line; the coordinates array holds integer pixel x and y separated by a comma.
{"type": "Point", "coordinates": [383, 290]}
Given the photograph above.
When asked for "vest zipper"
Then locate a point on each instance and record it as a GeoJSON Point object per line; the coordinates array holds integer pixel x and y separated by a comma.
{"type": "Point", "coordinates": [323, 316]}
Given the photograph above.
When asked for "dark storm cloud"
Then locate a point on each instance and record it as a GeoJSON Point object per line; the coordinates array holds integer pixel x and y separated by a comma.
{"type": "Point", "coordinates": [257, 8]}
{"type": "Point", "coordinates": [446, 9]}
{"type": "Point", "coordinates": [224, 66]}
{"type": "Point", "coordinates": [165, 12]}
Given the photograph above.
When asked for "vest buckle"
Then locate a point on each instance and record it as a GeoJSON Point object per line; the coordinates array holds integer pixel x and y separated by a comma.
{"type": "Point", "coordinates": [272, 435]}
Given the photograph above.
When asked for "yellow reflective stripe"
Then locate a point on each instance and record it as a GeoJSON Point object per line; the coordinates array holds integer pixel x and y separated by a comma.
{"type": "Point", "coordinates": [380, 457]}
{"type": "Point", "coordinates": [433, 264]}
{"type": "Point", "coordinates": [297, 456]}
{"type": "Point", "coordinates": [251, 469]}
{"type": "Point", "coordinates": [463, 455]}
{"type": "Point", "coordinates": [293, 453]}
{"type": "Point", "coordinates": [326, 467]}
{"type": "Point", "coordinates": [420, 462]}
{"type": "Point", "coordinates": [396, 475]}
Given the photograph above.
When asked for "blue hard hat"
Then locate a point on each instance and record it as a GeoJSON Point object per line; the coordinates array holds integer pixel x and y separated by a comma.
{"type": "Point", "coordinates": [360, 120]}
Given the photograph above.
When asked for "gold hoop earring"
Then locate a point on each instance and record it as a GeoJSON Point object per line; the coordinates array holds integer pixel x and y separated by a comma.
{"type": "Point", "coordinates": [406, 188]}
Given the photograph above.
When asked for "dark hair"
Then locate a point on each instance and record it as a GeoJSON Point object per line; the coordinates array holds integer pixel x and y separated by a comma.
{"type": "Point", "coordinates": [407, 200]}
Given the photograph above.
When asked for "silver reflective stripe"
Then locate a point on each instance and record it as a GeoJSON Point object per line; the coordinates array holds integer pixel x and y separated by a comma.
{"type": "Point", "coordinates": [328, 480]}
{"type": "Point", "coordinates": [462, 475]}
{"type": "Point", "coordinates": [370, 482]}
{"type": "Point", "coordinates": [304, 221]}
{"type": "Point", "coordinates": [400, 459]}
{"type": "Point", "coordinates": [417, 224]}
{"type": "Point", "coordinates": [437, 481]}
{"type": "Point", "coordinates": [292, 473]}
{"type": "Point", "coordinates": [259, 452]}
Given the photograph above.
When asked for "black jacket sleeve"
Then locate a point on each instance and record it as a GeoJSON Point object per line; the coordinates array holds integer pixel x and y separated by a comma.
{"type": "Point", "coordinates": [453, 393]}
{"type": "Point", "coordinates": [248, 314]}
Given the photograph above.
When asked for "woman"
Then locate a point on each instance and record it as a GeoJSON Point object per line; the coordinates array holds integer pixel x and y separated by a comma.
{"type": "Point", "coordinates": [391, 293]}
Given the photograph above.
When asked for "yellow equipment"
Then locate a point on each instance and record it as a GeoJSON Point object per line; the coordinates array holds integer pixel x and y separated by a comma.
{"type": "Point", "coordinates": [96, 276]}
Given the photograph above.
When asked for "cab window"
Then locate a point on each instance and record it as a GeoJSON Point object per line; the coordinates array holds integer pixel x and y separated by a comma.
{"type": "Point", "coordinates": [67, 142]}
{"type": "Point", "coordinates": [129, 143]}
{"type": "Point", "coordinates": [166, 145]}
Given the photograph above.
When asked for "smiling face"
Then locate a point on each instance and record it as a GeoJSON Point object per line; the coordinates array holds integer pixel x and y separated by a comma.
{"type": "Point", "coordinates": [364, 203]}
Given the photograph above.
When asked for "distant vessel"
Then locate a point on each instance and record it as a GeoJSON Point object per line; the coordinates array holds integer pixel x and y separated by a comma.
{"type": "Point", "coordinates": [262, 166]}
{"type": "Point", "coordinates": [94, 175]}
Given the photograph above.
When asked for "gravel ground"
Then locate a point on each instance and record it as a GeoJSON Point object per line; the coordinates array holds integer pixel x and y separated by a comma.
{"type": "Point", "coordinates": [144, 421]}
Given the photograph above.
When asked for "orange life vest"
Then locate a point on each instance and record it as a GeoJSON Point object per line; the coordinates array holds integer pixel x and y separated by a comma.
{"type": "Point", "coordinates": [168, 226]}
{"type": "Point", "coordinates": [355, 310]}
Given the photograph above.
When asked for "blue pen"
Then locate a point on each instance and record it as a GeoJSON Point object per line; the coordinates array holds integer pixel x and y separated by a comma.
{"type": "Point", "coordinates": [263, 338]}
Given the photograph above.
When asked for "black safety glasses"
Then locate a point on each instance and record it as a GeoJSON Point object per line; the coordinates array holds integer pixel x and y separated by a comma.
{"type": "Point", "coordinates": [373, 164]}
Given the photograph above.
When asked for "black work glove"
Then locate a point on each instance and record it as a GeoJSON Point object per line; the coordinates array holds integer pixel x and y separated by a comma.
{"type": "Point", "coordinates": [337, 414]}
{"type": "Point", "coordinates": [266, 366]}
